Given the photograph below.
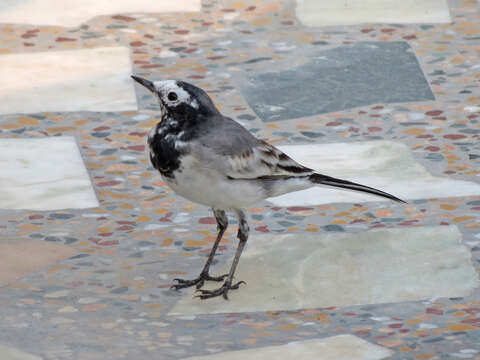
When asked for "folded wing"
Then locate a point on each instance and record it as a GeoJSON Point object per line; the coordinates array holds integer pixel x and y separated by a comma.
{"type": "Point", "coordinates": [264, 161]}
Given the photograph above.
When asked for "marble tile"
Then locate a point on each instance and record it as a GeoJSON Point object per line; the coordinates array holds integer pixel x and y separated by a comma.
{"type": "Point", "coordinates": [386, 165]}
{"type": "Point", "coordinates": [96, 79]}
{"type": "Point", "coordinates": [74, 13]}
{"type": "Point", "coordinates": [21, 257]}
{"type": "Point", "coordinates": [10, 353]}
{"type": "Point", "coordinates": [349, 12]}
{"type": "Point", "coordinates": [297, 271]}
{"type": "Point", "coordinates": [340, 347]}
{"type": "Point", "coordinates": [338, 79]}
{"type": "Point", "coordinates": [44, 174]}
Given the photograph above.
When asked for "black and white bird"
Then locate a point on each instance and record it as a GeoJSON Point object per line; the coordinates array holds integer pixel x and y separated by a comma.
{"type": "Point", "coordinates": [212, 160]}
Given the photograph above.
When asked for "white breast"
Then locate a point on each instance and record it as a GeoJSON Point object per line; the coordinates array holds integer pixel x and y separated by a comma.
{"type": "Point", "coordinates": [206, 186]}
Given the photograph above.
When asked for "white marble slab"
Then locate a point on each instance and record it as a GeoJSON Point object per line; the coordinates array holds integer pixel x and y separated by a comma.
{"type": "Point", "coordinates": [95, 79]}
{"type": "Point", "coordinates": [74, 12]}
{"type": "Point", "coordinates": [297, 271]}
{"type": "Point", "coordinates": [340, 347]}
{"type": "Point", "coordinates": [385, 165]}
{"type": "Point", "coordinates": [349, 12]}
{"type": "Point", "coordinates": [10, 353]}
{"type": "Point", "coordinates": [44, 174]}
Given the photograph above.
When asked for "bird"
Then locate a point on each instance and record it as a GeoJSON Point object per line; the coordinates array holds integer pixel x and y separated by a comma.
{"type": "Point", "coordinates": [211, 159]}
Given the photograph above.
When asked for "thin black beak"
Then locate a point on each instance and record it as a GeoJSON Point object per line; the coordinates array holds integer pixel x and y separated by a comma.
{"type": "Point", "coordinates": [147, 83]}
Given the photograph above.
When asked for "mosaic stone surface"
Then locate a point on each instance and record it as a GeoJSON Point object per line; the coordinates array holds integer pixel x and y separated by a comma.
{"type": "Point", "coordinates": [349, 12]}
{"type": "Point", "coordinates": [44, 174]}
{"type": "Point", "coordinates": [341, 347]}
{"type": "Point", "coordinates": [95, 79]}
{"type": "Point", "coordinates": [111, 299]}
{"type": "Point", "coordinates": [345, 77]}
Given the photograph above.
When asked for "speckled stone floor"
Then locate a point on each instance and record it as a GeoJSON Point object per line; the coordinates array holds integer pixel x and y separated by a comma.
{"type": "Point", "coordinates": [90, 280]}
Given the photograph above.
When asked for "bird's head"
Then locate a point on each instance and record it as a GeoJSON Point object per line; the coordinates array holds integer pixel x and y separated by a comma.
{"type": "Point", "coordinates": [179, 99]}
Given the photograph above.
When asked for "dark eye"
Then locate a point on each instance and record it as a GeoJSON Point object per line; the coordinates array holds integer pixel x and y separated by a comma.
{"type": "Point", "coordinates": [172, 96]}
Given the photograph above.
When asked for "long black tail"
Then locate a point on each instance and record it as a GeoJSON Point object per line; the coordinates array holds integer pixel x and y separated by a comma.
{"type": "Point", "coordinates": [344, 184]}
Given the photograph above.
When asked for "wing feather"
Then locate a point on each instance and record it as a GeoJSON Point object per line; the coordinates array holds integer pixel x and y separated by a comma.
{"type": "Point", "coordinates": [261, 161]}
{"type": "Point", "coordinates": [237, 154]}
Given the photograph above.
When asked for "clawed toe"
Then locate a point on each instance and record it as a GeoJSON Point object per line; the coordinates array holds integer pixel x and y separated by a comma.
{"type": "Point", "coordinates": [184, 283]}
{"type": "Point", "coordinates": [223, 290]}
{"type": "Point", "coordinates": [237, 285]}
{"type": "Point", "coordinates": [198, 282]}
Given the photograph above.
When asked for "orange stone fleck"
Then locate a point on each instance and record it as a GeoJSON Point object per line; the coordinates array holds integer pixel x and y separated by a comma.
{"type": "Point", "coordinates": [391, 343]}
{"type": "Point", "coordinates": [127, 206]}
{"type": "Point", "coordinates": [383, 213]}
{"type": "Point", "coordinates": [360, 208]}
{"type": "Point", "coordinates": [103, 229]}
{"type": "Point", "coordinates": [60, 129]}
{"type": "Point", "coordinates": [423, 356]}
{"type": "Point", "coordinates": [94, 307]}
{"type": "Point", "coordinates": [460, 327]}
{"type": "Point", "coordinates": [414, 131]}
{"type": "Point", "coordinates": [54, 269]}
{"type": "Point", "coordinates": [287, 327]}
{"type": "Point", "coordinates": [238, 4]}
{"type": "Point", "coordinates": [462, 218]}
{"type": "Point", "coordinates": [323, 317]}
{"type": "Point", "coordinates": [28, 301]}
{"type": "Point", "coordinates": [29, 227]}
{"type": "Point", "coordinates": [343, 213]}
{"type": "Point", "coordinates": [261, 21]}
{"type": "Point", "coordinates": [25, 120]}
{"type": "Point", "coordinates": [155, 315]}
{"type": "Point", "coordinates": [195, 243]}
{"type": "Point", "coordinates": [273, 126]}
{"type": "Point", "coordinates": [448, 207]}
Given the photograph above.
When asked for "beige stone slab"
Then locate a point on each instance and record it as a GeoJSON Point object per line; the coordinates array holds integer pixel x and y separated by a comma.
{"type": "Point", "coordinates": [21, 257]}
{"type": "Point", "coordinates": [10, 353]}
{"type": "Point", "coordinates": [385, 165]}
{"type": "Point", "coordinates": [74, 12]}
{"type": "Point", "coordinates": [95, 79]}
{"type": "Point", "coordinates": [349, 12]}
{"type": "Point", "coordinates": [296, 271]}
{"type": "Point", "coordinates": [340, 347]}
{"type": "Point", "coordinates": [44, 174]}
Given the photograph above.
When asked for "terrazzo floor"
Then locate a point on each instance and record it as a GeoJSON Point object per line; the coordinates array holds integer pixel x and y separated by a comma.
{"type": "Point", "coordinates": [91, 238]}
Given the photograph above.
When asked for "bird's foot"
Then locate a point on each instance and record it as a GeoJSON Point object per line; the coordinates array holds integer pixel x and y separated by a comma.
{"type": "Point", "coordinates": [198, 282]}
{"type": "Point", "coordinates": [223, 290]}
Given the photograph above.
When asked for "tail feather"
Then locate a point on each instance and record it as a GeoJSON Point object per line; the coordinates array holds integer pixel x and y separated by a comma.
{"type": "Point", "coordinates": [345, 184]}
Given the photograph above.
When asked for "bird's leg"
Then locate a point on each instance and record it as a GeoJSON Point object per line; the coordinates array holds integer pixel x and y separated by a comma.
{"type": "Point", "coordinates": [243, 230]}
{"type": "Point", "coordinates": [222, 224]}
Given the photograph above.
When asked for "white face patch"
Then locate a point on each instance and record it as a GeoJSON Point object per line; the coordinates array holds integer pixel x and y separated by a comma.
{"type": "Point", "coordinates": [165, 87]}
